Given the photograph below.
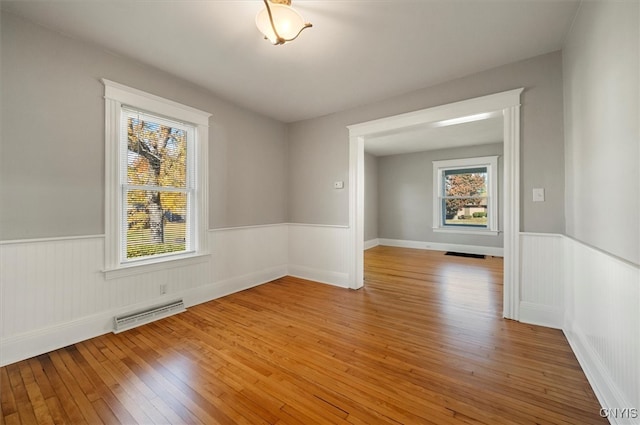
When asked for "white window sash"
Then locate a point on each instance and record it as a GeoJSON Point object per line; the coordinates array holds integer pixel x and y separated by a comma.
{"type": "Point", "coordinates": [439, 169]}
{"type": "Point", "coordinates": [119, 100]}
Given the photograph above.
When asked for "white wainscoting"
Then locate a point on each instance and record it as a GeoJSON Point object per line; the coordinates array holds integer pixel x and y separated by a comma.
{"type": "Point", "coordinates": [541, 279]}
{"type": "Point", "coordinates": [594, 298]}
{"type": "Point", "coordinates": [53, 292]}
{"type": "Point", "coordinates": [319, 253]}
{"type": "Point", "coordinates": [246, 256]}
{"type": "Point", "coordinates": [602, 324]}
{"type": "Point", "coordinates": [434, 246]}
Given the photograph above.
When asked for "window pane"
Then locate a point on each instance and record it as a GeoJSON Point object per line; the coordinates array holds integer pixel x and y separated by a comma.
{"type": "Point", "coordinates": [466, 182]}
{"type": "Point", "coordinates": [465, 212]}
{"type": "Point", "coordinates": [156, 154]}
{"type": "Point", "coordinates": [464, 192]}
{"type": "Point", "coordinates": [156, 222]}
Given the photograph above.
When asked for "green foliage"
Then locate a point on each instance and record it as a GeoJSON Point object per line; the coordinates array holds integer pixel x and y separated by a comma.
{"type": "Point", "coordinates": [134, 251]}
{"type": "Point", "coordinates": [140, 242]}
{"type": "Point", "coordinates": [479, 214]}
{"type": "Point", "coordinates": [467, 220]}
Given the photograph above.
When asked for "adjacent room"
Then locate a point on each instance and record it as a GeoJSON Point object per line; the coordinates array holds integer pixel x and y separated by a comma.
{"type": "Point", "coordinates": [354, 212]}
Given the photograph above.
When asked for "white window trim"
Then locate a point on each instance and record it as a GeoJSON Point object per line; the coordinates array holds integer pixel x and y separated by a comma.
{"type": "Point", "coordinates": [491, 162]}
{"type": "Point", "coordinates": [115, 96]}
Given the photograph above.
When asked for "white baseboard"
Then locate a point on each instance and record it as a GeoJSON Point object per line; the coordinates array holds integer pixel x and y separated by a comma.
{"type": "Point", "coordinates": [323, 276]}
{"type": "Point", "coordinates": [319, 253]}
{"type": "Point", "coordinates": [541, 315]}
{"type": "Point", "coordinates": [51, 338]}
{"type": "Point", "coordinates": [30, 344]}
{"type": "Point", "coordinates": [226, 287]}
{"type": "Point", "coordinates": [371, 243]}
{"type": "Point", "coordinates": [602, 325]}
{"type": "Point", "coordinates": [603, 386]}
{"type": "Point", "coordinates": [434, 246]}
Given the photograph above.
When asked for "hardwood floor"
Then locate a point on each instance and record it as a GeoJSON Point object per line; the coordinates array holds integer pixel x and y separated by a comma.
{"type": "Point", "coordinates": [422, 343]}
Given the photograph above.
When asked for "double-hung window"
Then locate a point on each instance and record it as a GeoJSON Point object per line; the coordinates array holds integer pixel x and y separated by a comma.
{"type": "Point", "coordinates": [465, 195]}
{"type": "Point", "coordinates": [157, 185]}
{"type": "Point", "coordinates": [156, 178]}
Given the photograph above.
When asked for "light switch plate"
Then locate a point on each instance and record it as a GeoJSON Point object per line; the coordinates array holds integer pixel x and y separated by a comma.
{"type": "Point", "coordinates": [538, 194]}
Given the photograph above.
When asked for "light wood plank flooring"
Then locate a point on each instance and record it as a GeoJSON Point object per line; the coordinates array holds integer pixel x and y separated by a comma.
{"type": "Point", "coordinates": [422, 343]}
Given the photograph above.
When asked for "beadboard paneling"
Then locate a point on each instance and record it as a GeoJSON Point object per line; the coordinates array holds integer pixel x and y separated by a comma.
{"type": "Point", "coordinates": [602, 324]}
{"type": "Point", "coordinates": [50, 282]}
{"type": "Point", "coordinates": [541, 279]}
{"type": "Point", "coordinates": [248, 250]}
{"type": "Point", "coordinates": [319, 253]}
{"type": "Point", "coordinates": [54, 292]}
{"type": "Point", "coordinates": [594, 298]}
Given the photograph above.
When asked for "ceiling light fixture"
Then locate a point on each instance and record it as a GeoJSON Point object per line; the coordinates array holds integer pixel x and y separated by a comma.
{"type": "Point", "coordinates": [279, 22]}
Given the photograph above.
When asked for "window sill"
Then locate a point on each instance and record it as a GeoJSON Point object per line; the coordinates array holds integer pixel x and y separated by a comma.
{"type": "Point", "coordinates": [467, 231]}
{"type": "Point", "coordinates": [152, 265]}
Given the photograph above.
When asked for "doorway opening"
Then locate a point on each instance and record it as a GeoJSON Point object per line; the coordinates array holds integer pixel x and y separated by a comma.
{"type": "Point", "coordinates": [508, 105]}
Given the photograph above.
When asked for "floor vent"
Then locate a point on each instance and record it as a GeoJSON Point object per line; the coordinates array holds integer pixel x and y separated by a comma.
{"type": "Point", "coordinates": [131, 320]}
{"type": "Point", "coordinates": [464, 254]}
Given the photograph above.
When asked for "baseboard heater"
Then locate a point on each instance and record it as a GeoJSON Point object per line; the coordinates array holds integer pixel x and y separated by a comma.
{"type": "Point", "coordinates": [137, 318]}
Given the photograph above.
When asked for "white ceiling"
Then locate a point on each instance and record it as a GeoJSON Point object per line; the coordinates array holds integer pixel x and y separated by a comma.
{"type": "Point", "coordinates": [357, 52]}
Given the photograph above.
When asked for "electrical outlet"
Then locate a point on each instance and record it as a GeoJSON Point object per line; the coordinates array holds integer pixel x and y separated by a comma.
{"type": "Point", "coordinates": [163, 288]}
{"type": "Point", "coordinates": [338, 185]}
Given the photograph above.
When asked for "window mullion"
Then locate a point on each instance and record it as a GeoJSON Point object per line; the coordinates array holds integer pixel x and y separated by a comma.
{"type": "Point", "coordinates": [156, 188]}
{"type": "Point", "coordinates": [465, 197]}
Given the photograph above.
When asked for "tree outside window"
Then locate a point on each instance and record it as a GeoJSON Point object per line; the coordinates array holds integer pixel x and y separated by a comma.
{"type": "Point", "coordinates": [155, 182]}
{"type": "Point", "coordinates": [465, 195]}
{"type": "Point", "coordinates": [157, 186]}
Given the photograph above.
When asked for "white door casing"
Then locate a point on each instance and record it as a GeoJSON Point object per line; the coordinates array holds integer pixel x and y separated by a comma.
{"type": "Point", "coordinates": [509, 103]}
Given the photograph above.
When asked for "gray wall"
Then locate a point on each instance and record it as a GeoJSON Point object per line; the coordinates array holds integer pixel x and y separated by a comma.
{"type": "Point", "coordinates": [52, 157]}
{"type": "Point", "coordinates": [261, 171]}
{"type": "Point", "coordinates": [318, 148]}
{"type": "Point", "coordinates": [370, 197]}
{"type": "Point", "coordinates": [405, 196]}
{"type": "Point", "coordinates": [602, 91]}
{"type": "Point", "coordinates": [318, 156]}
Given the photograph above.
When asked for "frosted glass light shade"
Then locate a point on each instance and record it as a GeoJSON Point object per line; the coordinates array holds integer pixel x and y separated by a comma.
{"type": "Point", "coordinates": [287, 21]}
